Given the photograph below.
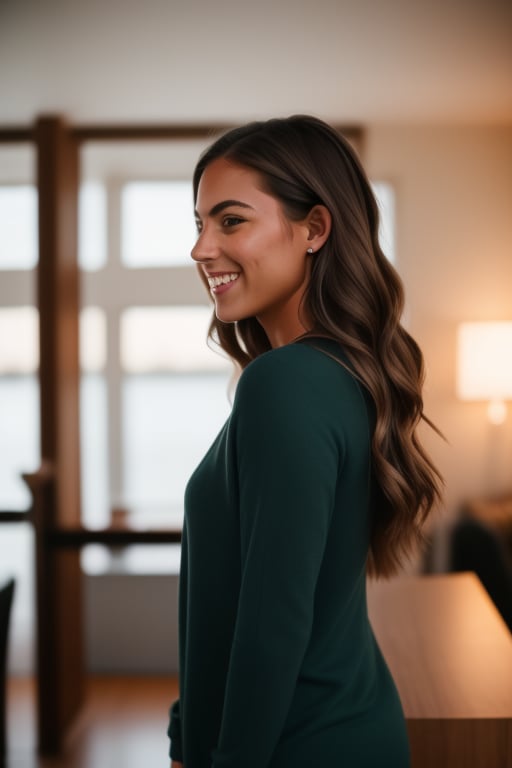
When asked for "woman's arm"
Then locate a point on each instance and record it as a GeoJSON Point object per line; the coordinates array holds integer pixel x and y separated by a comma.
{"type": "Point", "coordinates": [288, 462]}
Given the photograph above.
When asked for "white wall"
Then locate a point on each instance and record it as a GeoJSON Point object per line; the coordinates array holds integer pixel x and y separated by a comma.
{"type": "Point", "coordinates": [347, 60]}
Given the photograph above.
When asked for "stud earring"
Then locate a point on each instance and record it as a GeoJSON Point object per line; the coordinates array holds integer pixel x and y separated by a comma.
{"type": "Point", "coordinates": [310, 250]}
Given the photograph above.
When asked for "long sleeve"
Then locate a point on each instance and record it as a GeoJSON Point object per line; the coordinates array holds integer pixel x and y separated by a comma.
{"type": "Point", "coordinates": [278, 663]}
{"type": "Point", "coordinates": [288, 461]}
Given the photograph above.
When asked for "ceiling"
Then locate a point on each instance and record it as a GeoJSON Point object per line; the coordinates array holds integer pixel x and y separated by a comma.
{"type": "Point", "coordinates": [368, 61]}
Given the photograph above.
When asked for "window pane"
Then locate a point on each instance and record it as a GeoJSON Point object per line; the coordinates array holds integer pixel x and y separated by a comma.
{"type": "Point", "coordinates": [92, 226]}
{"type": "Point", "coordinates": [18, 225]}
{"type": "Point", "coordinates": [385, 195]}
{"type": "Point", "coordinates": [17, 559]}
{"type": "Point", "coordinates": [19, 438]}
{"type": "Point", "coordinates": [94, 451]}
{"type": "Point", "coordinates": [169, 422]}
{"type": "Point", "coordinates": [157, 224]}
{"type": "Point", "coordinates": [19, 340]}
{"type": "Point", "coordinates": [168, 339]}
{"type": "Point", "coordinates": [95, 559]}
{"type": "Point", "coordinates": [93, 339]}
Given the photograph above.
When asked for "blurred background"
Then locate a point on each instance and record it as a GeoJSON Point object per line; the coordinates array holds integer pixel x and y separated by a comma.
{"type": "Point", "coordinates": [426, 89]}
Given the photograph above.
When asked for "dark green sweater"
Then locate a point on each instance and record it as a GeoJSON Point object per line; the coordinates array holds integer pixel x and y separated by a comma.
{"type": "Point", "coordinates": [279, 667]}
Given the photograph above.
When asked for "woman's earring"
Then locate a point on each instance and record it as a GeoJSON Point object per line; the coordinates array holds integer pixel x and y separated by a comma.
{"type": "Point", "coordinates": [310, 250]}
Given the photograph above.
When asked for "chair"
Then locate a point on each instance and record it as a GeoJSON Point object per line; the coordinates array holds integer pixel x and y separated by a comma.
{"type": "Point", "coordinates": [6, 596]}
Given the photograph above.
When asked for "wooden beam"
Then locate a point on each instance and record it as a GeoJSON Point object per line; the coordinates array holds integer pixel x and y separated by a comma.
{"type": "Point", "coordinates": [16, 135]}
{"type": "Point", "coordinates": [140, 132]}
{"type": "Point", "coordinates": [11, 516]}
{"type": "Point", "coordinates": [143, 132]}
{"type": "Point", "coordinates": [56, 487]}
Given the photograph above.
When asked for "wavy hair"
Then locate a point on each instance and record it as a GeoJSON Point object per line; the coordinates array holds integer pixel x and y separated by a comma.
{"type": "Point", "coordinates": [355, 297]}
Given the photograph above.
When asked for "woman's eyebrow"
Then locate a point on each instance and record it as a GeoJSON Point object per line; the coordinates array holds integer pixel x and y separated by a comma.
{"type": "Point", "coordinates": [225, 204]}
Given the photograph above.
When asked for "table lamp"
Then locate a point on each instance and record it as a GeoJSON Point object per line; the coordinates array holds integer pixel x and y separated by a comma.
{"type": "Point", "coordinates": [484, 365]}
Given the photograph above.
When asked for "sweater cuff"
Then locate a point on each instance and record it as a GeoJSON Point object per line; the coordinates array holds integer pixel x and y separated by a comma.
{"type": "Point", "coordinates": [174, 733]}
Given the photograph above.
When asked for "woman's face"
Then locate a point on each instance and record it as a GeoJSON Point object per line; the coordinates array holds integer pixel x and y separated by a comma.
{"type": "Point", "coordinates": [254, 258]}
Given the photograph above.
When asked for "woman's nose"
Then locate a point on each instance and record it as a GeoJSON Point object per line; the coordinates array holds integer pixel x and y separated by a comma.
{"type": "Point", "coordinates": [205, 247]}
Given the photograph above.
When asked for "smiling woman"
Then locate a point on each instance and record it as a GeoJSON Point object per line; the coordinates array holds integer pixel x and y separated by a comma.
{"type": "Point", "coordinates": [316, 478]}
{"type": "Point", "coordinates": [257, 261]}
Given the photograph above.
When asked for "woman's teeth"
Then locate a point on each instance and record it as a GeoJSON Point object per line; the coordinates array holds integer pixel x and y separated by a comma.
{"type": "Point", "coordinates": [214, 282]}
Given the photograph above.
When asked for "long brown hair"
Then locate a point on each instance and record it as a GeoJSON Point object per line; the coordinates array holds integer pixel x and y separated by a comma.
{"type": "Point", "coordinates": [355, 297]}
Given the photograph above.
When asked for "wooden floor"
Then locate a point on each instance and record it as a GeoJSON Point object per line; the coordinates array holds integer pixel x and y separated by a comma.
{"type": "Point", "coordinates": [123, 725]}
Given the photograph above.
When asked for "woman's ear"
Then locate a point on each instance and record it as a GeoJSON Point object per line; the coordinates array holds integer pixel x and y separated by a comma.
{"type": "Point", "coordinates": [319, 223]}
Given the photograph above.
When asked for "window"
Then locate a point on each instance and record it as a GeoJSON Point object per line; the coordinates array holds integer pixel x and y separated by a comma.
{"type": "Point", "coordinates": [18, 225]}
{"type": "Point", "coordinates": [94, 418]}
{"type": "Point", "coordinates": [168, 339]}
{"type": "Point", "coordinates": [157, 223]}
{"type": "Point", "coordinates": [19, 389]}
{"type": "Point", "coordinates": [92, 226]}
{"type": "Point", "coordinates": [160, 391]}
{"type": "Point", "coordinates": [19, 393]}
{"type": "Point", "coordinates": [152, 394]}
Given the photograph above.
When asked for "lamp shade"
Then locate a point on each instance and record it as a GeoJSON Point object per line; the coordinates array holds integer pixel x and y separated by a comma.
{"type": "Point", "coordinates": [484, 361]}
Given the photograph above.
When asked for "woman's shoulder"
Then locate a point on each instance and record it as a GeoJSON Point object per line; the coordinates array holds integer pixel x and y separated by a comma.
{"type": "Point", "coordinates": [312, 352]}
{"type": "Point", "coordinates": [313, 365]}
{"type": "Point", "coordinates": [310, 385]}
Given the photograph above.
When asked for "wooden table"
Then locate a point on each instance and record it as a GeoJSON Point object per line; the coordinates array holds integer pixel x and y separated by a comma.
{"type": "Point", "coordinates": [450, 654]}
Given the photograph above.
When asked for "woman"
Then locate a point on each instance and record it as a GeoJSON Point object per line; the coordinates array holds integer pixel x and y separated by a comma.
{"type": "Point", "coordinates": [316, 478]}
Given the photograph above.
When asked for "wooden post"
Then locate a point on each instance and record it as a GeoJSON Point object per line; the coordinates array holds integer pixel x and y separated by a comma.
{"type": "Point", "coordinates": [56, 487]}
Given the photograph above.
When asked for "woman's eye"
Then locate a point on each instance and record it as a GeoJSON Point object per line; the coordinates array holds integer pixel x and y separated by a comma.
{"type": "Point", "coordinates": [199, 227]}
{"type": "Point", "coordinates": [231, 221]}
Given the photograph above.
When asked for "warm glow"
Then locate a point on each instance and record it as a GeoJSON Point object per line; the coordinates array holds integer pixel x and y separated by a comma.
{"type": "Point", "coordinates": [484, 370]}
{"type": "Point", "coordinates": [497, 412]}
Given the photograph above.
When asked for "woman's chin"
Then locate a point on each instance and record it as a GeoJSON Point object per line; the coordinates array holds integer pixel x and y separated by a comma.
{"type": "Point", "coordinates": [228, 316]}
{"type": "Point", "coordinates": [225, 317]}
